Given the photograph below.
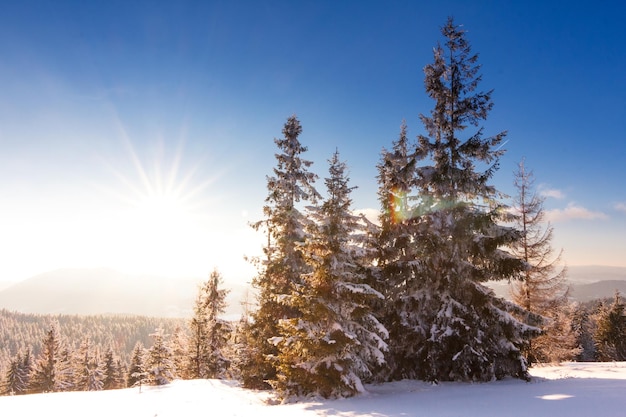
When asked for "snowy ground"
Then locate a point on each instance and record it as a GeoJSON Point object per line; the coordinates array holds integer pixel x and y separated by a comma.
{"type": "Point", "coordinates": [573, 389]}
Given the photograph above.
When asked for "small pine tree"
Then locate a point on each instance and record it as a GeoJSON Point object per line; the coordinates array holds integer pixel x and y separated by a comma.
{"type": "Point", "coordinates": [543, 289]}
{"type": "Point", "coordinates": [16, 377]}
{"type": "Point", "coordinates": [89, 374]}
{"type": "Point", "coordinates": [282, 270]}
{"type": "Point", "coordinates": [159, 364]}
{"type": "Point", "coordinates": [209, 332]}
{"type": "Point", "coordinates": [584, 327]}
{"type": "Point", "coordinates": [610, 336]}
{"type": "Point", "coordinates": [50, 372]}
{"type": "Point", "coordinates": [113, 378]}
{"type": "Point", "coordinates": [335, 341]}
{"type": "Point", "coordinates": [12, 383]}
{"type": "Point", "coordinates": [180, 353]}
{"type": "Point", "coordinates": [137, 369]}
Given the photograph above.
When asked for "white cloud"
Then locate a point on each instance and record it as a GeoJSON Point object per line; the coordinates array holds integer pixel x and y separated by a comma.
{"type": "Point", "coordinates": [551, 192]}
{"type": "Point", "coordinates": [572, 211]}
{"type": "Point", "coordinates": [620, 207]}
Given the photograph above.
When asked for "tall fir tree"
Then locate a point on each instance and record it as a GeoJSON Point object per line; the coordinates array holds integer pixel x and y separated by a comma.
{"type": "Point", "coordinates": [398, 255]}
{"type": "Point", "coordinates": [290, 188]}
{"type": "Point", "coordinates": [462, 331]}
{"type": "Point", "coordinates": [543, 289]}
{"type": "Point", "coordinates": [335, 340]}
{"type": "Point", "coordinates": [209, 332]}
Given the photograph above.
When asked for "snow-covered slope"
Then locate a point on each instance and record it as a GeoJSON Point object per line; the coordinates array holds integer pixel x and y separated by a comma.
{"type": "Point", "coordinates": [572, 390]}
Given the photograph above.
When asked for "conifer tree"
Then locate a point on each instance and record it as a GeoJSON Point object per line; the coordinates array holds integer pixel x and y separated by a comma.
{"type": "Point", "coordinates": [281, 271]}
{"type": "Point", "coordinates": [137, 369]}
{"type": "Point", "coordinates": [113, 378]}
{"type": "Point", "coordinates": [159, 364]}
{"type": "Point", "coordinates": [209, 332]}
{"type": "Point", "coordinates": [584, 326]}
{"type": "Point", "coordinates": [543, 289]}
{"type": "Point", "coordinates": [335, 340]}
{"type": "Point", "coordinates": [50, 370]}
{"type": "Point", "coordinates": [12, 383]}
{"type": "Point", "coordinates": [180, 353]}
{"type": "Point", "coordinates": [89, 374]}
{"type": "Point", "coordinates": [17, 375]}
{"type": "Point", "coordinates": [398, 255]}
{"type": "Point", "coordinates": [610, 336]}
{"type": "Point", "coordinates": [463, 331]}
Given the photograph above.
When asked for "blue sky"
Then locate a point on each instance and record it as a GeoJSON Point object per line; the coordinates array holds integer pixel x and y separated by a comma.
{"type": "Point", "coordinates": [137, 135]}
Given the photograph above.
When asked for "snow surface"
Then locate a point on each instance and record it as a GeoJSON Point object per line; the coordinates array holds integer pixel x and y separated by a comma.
{"type": "Point", "coordinates": [571, 389]}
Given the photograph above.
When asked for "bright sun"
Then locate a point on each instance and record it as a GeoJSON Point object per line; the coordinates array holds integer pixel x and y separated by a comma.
{"type": "Point", "coordinates": [165, 220]}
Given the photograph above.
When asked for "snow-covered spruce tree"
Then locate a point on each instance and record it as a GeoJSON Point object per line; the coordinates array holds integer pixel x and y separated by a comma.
{"type": "Point", "coordinates": [159, 364]}
{"type": "Point", "coordinates": [282, 269]}
{"type": "Point", "coordinates": [12, 383]}
{"type": "Point", "coordinates": [89, 373]}
{"type": "Point", "coordinates": [610, 336]}
{"type": "Point", "coordinates": [17, 375]}
{"type": "Point", "coordinates": [112, 372]}
{"type": "Point", "coordinates": [209, 333]}
{"type": "Point", "coordinates": [335, 340]}
{"type": "Point", "coordinates": [468, 333]}
{"type": "Point", "coordinates": [543, 289]}
{"type": "Point", "coordinates": [585, 328]}
{"type": "Point", "coordinates": [50, 370]}
{"type": "Point", "coordinates": [180, 353]}
{"type": "Point", "coordinates": [398, 256]}
{"type": "Point", "coordinates": [137, 369]}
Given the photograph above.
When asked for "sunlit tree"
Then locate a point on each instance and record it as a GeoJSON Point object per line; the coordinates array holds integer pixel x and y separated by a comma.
{"type": "Point", "coordinates": [50, 373]}
{"type": "Point", "coordinates": [543, 288]}
{"type": "Point", "coordinates": [88, 371]}
{"type": "Point", "coordinates": [398, 254]}
{"type": "Point", "coordinates": [335, 341]}
{"type": "Point", "coordinates": [159, 364]}
{"type": "Point", "coordinates": [17, 375]}
{"type": "Point", "coordinates": [209, 332]}
{"type": "Point", "coordinates": [137, 374]}
{"type": "Point", "coordinates": [283, 266]}
{"type": "Point", "coordinates": [610, 336]}
{"type": "Point", "coordinates": [462, 330]}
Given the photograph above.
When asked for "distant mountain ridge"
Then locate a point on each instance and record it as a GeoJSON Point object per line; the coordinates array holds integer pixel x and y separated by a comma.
{"type": "Point", "coordinates": [104, 291]}
{"type": "Point", "coordinates": [587, 282]}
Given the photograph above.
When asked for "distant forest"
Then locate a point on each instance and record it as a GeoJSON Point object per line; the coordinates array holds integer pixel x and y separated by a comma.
{"type": "Point", "coordinates": [22, 332]}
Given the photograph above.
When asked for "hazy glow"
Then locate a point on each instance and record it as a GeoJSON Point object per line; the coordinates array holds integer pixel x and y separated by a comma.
{"type": "Point", "coordinates": [397, 206]}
